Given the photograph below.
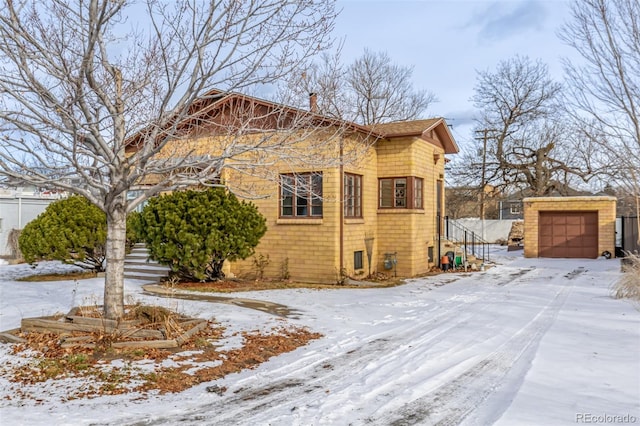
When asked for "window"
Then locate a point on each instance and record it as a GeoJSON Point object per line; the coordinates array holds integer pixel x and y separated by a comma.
{"type": "Point", "coordinates": [401, 193]}
{"type": "Point", "coordinates": [417, 193]}
{"type": "Point", "coordinates": [386, 192]}
{"type": "Point", "coordinates": [352, 195]}
{"type": "Point", "coordinates": [358, 262]}
{"type": "Point", "coordinates": [301, 195]}
{"type": "Point", "coordinates": [393, 193]}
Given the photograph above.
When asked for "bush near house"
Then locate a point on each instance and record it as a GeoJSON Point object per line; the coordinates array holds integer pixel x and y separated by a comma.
{"type": "Point", "coordinates": [72, 230]}
{"type": "Point", "coordinates": [194, 232]}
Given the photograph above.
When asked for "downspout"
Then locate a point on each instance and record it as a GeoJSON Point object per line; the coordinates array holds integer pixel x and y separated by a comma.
{"type": "Point", "coordinates": [341, 204]}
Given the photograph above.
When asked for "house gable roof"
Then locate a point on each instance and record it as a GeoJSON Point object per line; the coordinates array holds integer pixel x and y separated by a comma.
{"type": "Point", "coordinates": [214, 101]}
{"type": "Point", "coordinates": [217, 108]}
{"type": "Point", "coordinates": [217, 100]}
{"type": "Point", "coordinates": [421, 129]}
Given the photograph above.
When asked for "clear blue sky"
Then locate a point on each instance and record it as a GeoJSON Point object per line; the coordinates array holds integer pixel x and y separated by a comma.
{"type": "Point", "coordinates": [446, 41]}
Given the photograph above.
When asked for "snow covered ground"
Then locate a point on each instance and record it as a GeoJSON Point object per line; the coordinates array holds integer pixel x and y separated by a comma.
{"type": "Point", "coordinates": [528, 342]}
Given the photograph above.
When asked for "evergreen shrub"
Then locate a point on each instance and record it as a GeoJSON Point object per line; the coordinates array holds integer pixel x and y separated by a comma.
{"type": "Point", "coordinates": [71, 230]}
{"type": "Point", "coordinates": [195, 231]}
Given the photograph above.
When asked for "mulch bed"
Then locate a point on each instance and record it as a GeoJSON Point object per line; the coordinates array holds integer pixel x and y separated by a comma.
{"type": "Point", "coordinates": [58, 349]}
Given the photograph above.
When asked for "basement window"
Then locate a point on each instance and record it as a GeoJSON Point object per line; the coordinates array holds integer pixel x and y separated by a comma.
{"type": "Point", "coordinates": [358, 262]}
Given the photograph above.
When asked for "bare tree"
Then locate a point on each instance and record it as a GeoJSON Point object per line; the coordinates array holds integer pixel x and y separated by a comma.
{"type": "Point", "coordinates": [604, 89]}
{"type": "Point", "coordinates": [461, 201]}
{"type": "Point", "coordinates": [369, 91]}
{"type": "Point", "coordinates": [383, 90]}
{"type": "Point", "coordinates": [89, 106]}
{"type": "Point", "coordinates": [321, 87]}
{"type": "Point", "coordinates": [523, 139]}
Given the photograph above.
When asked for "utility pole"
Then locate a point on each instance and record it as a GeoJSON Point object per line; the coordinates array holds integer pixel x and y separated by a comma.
{"type": "Point", "coordinates": [483, 182]}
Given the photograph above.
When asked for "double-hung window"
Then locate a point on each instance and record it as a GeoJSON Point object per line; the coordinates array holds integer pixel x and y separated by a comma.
{"type": "Point", "coordinates": [352, 195]}
{"type": "Point", "coordinates": [301, 195]}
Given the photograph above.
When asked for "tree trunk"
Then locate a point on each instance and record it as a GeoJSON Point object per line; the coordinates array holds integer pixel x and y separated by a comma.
{"type": "Point", "coordinates": [114, 277]}
{"type": "Point", "coordinates": [215, 272]}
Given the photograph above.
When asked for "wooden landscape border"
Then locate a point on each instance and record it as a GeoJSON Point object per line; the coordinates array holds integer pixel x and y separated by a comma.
{"type": "Point", "coordinates": [130, 334]}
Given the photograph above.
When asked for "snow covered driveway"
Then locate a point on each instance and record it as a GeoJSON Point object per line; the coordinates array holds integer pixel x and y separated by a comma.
{"type": "Point", "coordinates": [531, 342]}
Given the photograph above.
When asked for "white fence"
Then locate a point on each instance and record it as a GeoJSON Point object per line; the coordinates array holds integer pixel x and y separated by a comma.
{"type": "Point", "coordinates": [491, 231]}
{"type": "Point", "coordinates": [16, 210]}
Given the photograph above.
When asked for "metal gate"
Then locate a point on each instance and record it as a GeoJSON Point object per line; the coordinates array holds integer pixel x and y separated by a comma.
{"type": "Point", "coordinates": [627, 235]}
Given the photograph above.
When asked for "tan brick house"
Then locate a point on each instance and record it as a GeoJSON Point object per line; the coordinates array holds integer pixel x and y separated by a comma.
{"type": "Point", "coordinates": [324, 222]}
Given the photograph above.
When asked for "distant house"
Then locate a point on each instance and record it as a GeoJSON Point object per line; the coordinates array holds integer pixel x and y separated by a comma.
{"type": "Point", "coordinates": [325, 222]}
{"type": "Point", "coordinates": [512, 207]}
{"type": "Point", "coordinates": [464, 202]}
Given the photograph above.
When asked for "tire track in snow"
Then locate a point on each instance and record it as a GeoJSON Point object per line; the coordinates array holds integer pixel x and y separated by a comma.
{"type": "Point", "coordinates": [382, 350]}
{"type": "Point", "coordinates": [452, 402]}
{"type": "Point", "coordinates": [318, 372]}
{"type": "Point", "coordinates": [512, 278]}
{"type": "Point", "coordinates": [250, 400]}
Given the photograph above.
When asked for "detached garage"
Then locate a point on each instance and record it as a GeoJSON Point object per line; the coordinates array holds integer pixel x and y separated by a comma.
{"type": "Point", "coordinates": [569, 227]}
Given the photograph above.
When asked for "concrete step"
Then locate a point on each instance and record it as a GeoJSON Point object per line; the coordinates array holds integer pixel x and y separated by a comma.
{"type": "Point", "coordinates": [149, 262]}
{"type": "Point", "coordinates": [142, 256]}
{"type": "Point", "coordinates": [158, 270]}
{"type": "Point", "coordinates": [151, 279]}
{"type": "Point", "coordinates": [143, 262]}
{"type": "Point", "coordinates": [138, 266]}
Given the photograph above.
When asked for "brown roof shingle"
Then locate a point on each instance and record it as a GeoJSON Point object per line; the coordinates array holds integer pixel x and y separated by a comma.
{"type": "Point", "coordinates": [417, 128]}
{"type": "Point", "coordinates": [404, 128]}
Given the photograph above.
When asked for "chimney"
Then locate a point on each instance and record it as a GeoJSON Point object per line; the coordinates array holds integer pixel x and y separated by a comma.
{"type": "Point", "coordinates": [313, 102]}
